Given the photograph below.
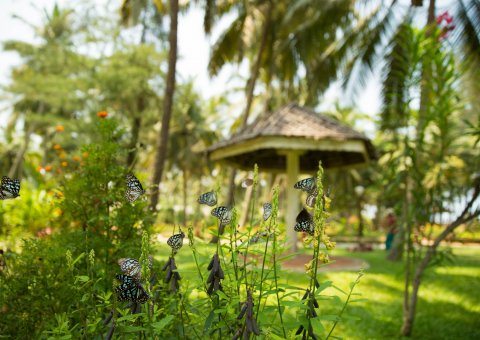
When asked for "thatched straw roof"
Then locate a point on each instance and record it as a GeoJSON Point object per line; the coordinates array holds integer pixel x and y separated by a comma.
{"type": "Point", "coordinates": [294, 128]}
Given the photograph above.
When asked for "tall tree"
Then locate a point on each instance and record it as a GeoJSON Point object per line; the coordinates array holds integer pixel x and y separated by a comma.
{"type": "Point", "coordinates": [50, 85]}
{"type": "Point", "coordinates": [162, 143]}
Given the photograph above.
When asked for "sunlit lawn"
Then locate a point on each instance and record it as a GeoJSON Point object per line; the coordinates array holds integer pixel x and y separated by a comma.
{"type": "Point", "coordinates": [448, 308]}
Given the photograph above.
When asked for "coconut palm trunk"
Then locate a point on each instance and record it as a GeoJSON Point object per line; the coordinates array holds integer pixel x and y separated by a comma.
{"type": "Point", "coordinates": [162, 143]}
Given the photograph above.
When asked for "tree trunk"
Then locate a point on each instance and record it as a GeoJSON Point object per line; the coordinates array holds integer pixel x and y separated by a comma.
{"type": "Point", "coordinates": [132, 148]}
{"type": "Point", "coordinates": [17, 163]}
{"type": "Point", "coordinates": [464, 217]}
{"type": "Point", "coordinates": [184, 192]}
{"type": "Point", "coordinates": [409, 302]}
{"type": "Point", "coordinates": [361, 226]}
{"type": "Point", "coordinates": [162, 143]}
{"type": "Point", "coordinates": [409, 315]}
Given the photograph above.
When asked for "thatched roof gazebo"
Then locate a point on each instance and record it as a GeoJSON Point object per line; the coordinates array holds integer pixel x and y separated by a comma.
{"type": "Point", "coordinates": [293, 139]}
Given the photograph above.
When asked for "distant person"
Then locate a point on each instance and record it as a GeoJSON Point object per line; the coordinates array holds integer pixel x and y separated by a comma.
{"type": "Point", "coordinates": [391, 225]}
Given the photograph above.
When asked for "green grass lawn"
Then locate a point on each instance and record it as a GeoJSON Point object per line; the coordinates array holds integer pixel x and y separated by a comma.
{"type": "Point", "coordinates": [448, 306]}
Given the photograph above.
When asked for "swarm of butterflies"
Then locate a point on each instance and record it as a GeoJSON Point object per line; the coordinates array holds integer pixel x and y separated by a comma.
{"type": "Point", "coordinates": [131, 288]}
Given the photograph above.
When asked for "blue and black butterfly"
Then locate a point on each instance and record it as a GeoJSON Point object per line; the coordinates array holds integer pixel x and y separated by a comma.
{"type": "Point", "coordinates": [9, 188]}
{"type": "Point", "coordinates": [176, 241]}
{"type": "Point", "coordinates": [208, 198]}
{"type": "Point", "coordinates": [267, 211]}
{"type": "Point", "coordinates": [134, 188]}
{"type": "Point", "coordinates": [130, 267]}
{"type": "Point", "coordinates": [224, 214]}
{"type": "Point", "coordinates": [308, 185]}
{"type": "Point", "coordinates": [305, 222]}
{"type": "Point", "coordinates": [130, 290]}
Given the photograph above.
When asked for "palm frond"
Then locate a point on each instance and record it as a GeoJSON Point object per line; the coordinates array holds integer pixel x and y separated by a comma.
{"type": "Point", "coordinates": [395, 87]}
{"type": "Point", "coordinates": [361, 64]}
{"type": "Point", "coordinates": [226, 48]}
{"type": "Point", "coordinates": [468, 36]}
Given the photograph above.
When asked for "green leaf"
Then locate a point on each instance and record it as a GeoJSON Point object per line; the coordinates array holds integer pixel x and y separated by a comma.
{"type": "Point", "coordinates": [275, 337]}
{"type": "Point", "coordinates": [317, 326]}
{"type": "Point", "coordinates": [329, 317]}
{"type": "Point", "coordinates": [134, 329]}
{"type": "Point", "coordinates": [340, 290]}
{"type": "Point", "coordinates": [159, 325]}
{"type": "Point", "coordinates": [208, 322]}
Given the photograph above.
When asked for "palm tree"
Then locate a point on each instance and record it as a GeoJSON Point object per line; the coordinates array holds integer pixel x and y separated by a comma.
{"type": "Point", "coordinates": [48, 84]}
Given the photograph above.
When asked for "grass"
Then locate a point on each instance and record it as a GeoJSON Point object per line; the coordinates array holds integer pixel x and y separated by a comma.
{"type": "Point", "coordinates": [448, 306]}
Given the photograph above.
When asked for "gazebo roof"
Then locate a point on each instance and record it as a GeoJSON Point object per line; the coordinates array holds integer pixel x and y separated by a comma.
{"type": "Point", "coordinates": [294, 128]}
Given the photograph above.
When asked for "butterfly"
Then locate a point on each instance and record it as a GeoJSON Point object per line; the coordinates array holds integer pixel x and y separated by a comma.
{"type": "Point", "coordinates": [304, 222]}
{"type": "Point", "coordinates": [224, 214]}
{"type": "Point", "coordinates": [247, 182]}
{"type": "Point", "coordinates": [308, 185]}
{"type": "Point", "coordinates": [130, 267]}
{"type": "Point", "coordinates": [130, 290]}
{"type": "Point", "coordinates": [258, 235]}
{"type": "Point", "coordinates": [208, 198]}
{"type": "Point", "coordinates": [267, 211]}
{"type": "Point", "coordinates": [134, 188]}
{"type": "Point", "coordinates": [9, 188]}
{"type": "Point", "coordinates": [176, 241]}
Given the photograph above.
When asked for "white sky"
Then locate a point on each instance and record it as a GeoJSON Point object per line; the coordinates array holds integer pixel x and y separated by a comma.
{"type": "Point", "coordinates": [193, 50]}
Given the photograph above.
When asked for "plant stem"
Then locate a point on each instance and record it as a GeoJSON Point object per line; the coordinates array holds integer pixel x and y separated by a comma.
{"type": "Point", "coordinates": [276, 281]}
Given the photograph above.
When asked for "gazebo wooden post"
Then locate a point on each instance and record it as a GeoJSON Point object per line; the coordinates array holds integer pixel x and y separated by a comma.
{"type": "Point", "coordinates": [293, 169]}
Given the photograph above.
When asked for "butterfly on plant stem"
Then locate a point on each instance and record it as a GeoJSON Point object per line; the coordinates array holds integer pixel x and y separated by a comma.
{"type": "Point", "coordinates": [224, 214]}
{"type": "Point", "coordinates": [309, 185]}
{"type": "Point", "coordinates": [134, 188]}
{"type": "Point", "coordinates": [9, 188]}
{"type": "Point", "coordinates": [247, 182]}
{"type": "Point", "coordinates": [130, 267]}
{"type": "Point", "coordinates": [130, 290]}
{"type": "Point", "coordinates": [208, 198]}
{"type": "Point", "coordinates": [304, 222]}
{"type": "Point", "coordinates": [176, 241]}
{"type": "Point", "coordinates": [267, 211]}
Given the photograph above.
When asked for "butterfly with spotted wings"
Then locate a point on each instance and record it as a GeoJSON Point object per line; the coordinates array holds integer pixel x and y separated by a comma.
{"type": "Point", "coordinates": [134, 188]}
{"type": "Point", "coordinates": [304, 222]}
{"type": "Point", "coordinates": [9, 188]}
{"type": "Point", "coordinates": [176, 241]}
{"type": "Point", "coordinates": [130, 290]}
{"type": "Point", "coordinates": [309, 185]}
{"type": "Point", "coordinates": [267, 211]}
{"type": "Point", "coordinates": [224, 214]}
{"type": "Point", "coordinates": [208, 198]}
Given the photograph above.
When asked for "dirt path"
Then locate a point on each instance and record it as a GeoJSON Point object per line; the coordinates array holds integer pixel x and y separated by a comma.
{"type": "Point", "coordinates": [338, 264]}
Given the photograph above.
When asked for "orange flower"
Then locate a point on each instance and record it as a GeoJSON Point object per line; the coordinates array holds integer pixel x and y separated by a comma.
{"type": "Point", "coordinates": [85, 154]}
{"type": "Point", "coordinates": [39, 168]}
{"type": "Point", "coordinates": [62, 155]}
{"type": "Point", "coordinates": [59, 128]}
{"type": "Point", "coordinates": [102, 114]}
{"type": "Point", "coordinates": [57, 147]}
{"type": "Point", "coordinates": [76, 158]}
{"type": "Point", "coordinates": [48, 168]}
{"type": "Point", "coordinates": [64, 164]}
